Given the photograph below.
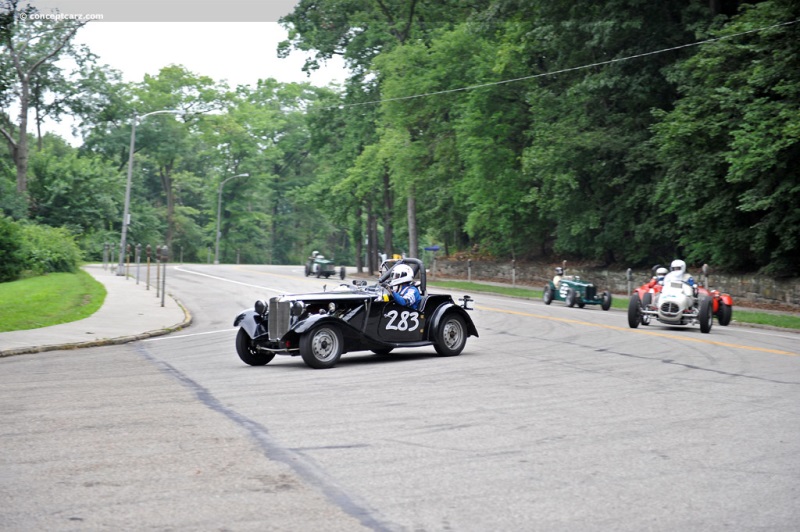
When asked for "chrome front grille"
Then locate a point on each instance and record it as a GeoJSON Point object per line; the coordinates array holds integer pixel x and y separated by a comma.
{"type": "Point", "coordinates": [278, 317]}
{"type": "Point", "coordinates": [669, 309]}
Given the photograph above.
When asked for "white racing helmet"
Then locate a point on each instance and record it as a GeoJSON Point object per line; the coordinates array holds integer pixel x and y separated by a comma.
{"type": "Point", "coordinates": [401, 274]}
{"type": "Point", "coordinates": [661, 272]}
{"type": "Point", "coordinates": [678, 265]}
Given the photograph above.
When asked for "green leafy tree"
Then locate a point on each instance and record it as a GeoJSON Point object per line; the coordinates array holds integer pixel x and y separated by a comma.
{"type": "Point", "coordinates": [29, 47]}
{"type": "Point", "coordinates": [731, 145]}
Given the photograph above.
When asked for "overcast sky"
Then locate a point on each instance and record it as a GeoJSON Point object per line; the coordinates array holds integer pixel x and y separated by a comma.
{"type": "Point", "coordinates": [239, 52]}
{"type": "Point", "coordinates": [238, 44]}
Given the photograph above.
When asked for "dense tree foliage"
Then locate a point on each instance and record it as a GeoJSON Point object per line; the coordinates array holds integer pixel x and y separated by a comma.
{"type": "Point", "coordinates": [614, 131]}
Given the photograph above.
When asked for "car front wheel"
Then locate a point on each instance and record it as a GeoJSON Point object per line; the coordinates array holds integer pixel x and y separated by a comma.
{"type": "Point", "coordinates": [322, 346]}
{"type": "Point", "coordinates": [634, 311]}
{"type": "Point", "coordinates": [248, 353]}
{"type": "Point", "coordinates": [451, 336]}
{"type": "Point", "coordinates": [606, 304]}
{"type": "Point", "coordinates": [570, 300]}
{"type": "Point", "coordinates": [547, 295]}
{"type": "Point", "coordinates": [706, 314]}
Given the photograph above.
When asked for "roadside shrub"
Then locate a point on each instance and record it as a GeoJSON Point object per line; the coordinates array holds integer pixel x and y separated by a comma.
{"type": "Point", "coordinates": [47, 249]}
{"type": "Point", "coordinates": [11, 263]}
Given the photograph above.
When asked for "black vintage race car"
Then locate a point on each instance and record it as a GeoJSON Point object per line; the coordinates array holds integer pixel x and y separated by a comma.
{"type": "Point", "coordinates": [320, 327]}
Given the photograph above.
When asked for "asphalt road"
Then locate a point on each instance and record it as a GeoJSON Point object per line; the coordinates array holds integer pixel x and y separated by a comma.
{"type": "Point", "coordinates": [554, 419]}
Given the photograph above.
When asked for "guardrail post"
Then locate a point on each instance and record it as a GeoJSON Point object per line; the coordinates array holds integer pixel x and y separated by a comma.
{"type": "Point", "coordinates": [164, 258]}
{"type": "Point", "coordinates": [629, 277]}
{"type": "Point", "coordinates": [158, 270]}
{"type": "Point", "coordinates": [148, 250]}
{"type": "Point", "coordinates": [513, 272]}
{"type": "Point", "coordinates": [469, 269]}
{"type": "Point", "coordinates": [138, 259]}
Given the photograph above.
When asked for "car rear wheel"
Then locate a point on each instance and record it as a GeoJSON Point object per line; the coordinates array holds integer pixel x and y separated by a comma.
{"type": "Point", "coordinates": [706, 314]}
{"type": "Point", "coordinates": [248, 353]}
{"type": "Point", "coordinates": [724, 314]}
{"type": "Point", "coordinates": [547, 295]}
{"type": "Point", "coordinates": [634, 311]}
{"type": "Point", "coordinates": [322, 346]}
{"type": "Point", "coordinates": [451, 337]}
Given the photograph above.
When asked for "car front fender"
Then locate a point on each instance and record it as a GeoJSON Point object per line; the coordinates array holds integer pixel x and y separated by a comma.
{"type": "Point", "coordinates": [252, 323]}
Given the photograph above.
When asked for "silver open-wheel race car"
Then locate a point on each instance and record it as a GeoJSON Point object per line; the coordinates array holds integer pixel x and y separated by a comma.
{"type": "Point", "coordinates": [320, 327]}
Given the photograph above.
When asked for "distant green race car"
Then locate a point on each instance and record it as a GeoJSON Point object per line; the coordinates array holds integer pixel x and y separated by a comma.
{"type": "Point", "coordinates": [573, 292]}
{"type": "Point", "coordinates": [319, 266]}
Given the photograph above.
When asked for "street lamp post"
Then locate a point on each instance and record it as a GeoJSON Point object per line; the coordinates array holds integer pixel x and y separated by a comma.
{"type": "Point", "coordinates": [126, 214]}
{"type": "Point", "coordinates": [219, 213]}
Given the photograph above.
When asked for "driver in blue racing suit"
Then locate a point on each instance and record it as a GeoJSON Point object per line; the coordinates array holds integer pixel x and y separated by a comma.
{"type": "Point", "coordinates": [403, 290]}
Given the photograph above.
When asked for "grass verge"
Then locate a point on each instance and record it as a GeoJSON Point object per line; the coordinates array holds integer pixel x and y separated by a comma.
{"type": "Point", "coordinates": [785, 321]}
{"type": "Point", "coordinates": [49, 300]}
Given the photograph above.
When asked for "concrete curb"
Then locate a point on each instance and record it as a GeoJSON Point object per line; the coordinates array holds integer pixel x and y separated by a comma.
{"type": "Point", "coordinates": [187, 320]}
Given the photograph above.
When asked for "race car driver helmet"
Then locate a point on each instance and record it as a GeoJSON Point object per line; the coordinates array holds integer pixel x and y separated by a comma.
{"type": "Point", "coordinates": [401, 274]}
{"type": "Point", "coordinates": [559, 271]}
{"type": "Point", "coordinates": [661, 272]}
{"type": "Point", "coordinates": [678, 265]}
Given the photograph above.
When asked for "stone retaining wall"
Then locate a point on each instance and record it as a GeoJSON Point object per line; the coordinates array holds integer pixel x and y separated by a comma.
{"type": "Point", "coordinates": [753, 288]}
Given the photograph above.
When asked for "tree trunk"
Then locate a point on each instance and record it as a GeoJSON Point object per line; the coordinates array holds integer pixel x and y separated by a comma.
{"type": "Point", "coordinates": [413, 244]}
{"type": "Point", "coordinates": [358, 236]}
{"type": "Point", "coordinates": [388, 209]}
{"type": "Point", "coordinates": [21, 152]}
{"type": "Point", "coordinates": [166, 180]}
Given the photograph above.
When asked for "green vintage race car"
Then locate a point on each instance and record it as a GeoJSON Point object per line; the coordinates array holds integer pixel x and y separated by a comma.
{"type": "Point", "coordinates": [319, 266]}
{"type": "Point", "coordinates": [573, 291]}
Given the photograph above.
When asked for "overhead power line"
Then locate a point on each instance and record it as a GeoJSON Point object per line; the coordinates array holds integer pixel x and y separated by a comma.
{"type": "Point", "coordinates": [563, 70]}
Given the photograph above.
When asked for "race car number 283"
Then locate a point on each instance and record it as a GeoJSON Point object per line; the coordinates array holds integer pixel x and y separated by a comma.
{"type": "Point", "coordinates": [402, 321]}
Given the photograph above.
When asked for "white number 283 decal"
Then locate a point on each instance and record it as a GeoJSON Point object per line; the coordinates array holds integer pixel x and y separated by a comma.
{"type": "Point", "coordinates": [402, 321]}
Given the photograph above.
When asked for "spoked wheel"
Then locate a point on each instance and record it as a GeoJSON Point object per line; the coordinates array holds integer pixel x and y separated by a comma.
{"type": "Point", "coordinates": [248, 353]}
{"type": "Point", "coordinates": [451, 336]}
{"type": "Point", "coordinates": [322, 346]}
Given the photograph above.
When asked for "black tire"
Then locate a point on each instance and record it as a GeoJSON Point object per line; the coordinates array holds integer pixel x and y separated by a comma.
{"type": "Point", "coordinates": [647, 300]}
{"type": "Point", "coordinates": [307, 270]}
{"type": "Point", "coordinates": [634, 311]}
{"type": "Point", "coordinates": [547, 295]}
{"type": "Point", "coordinates": [570, 299]}
{"type": "Point", "coordinates": [341, 273]}
{"type": "Point", "coordinates": [322, 346]}
{"type": "Point", "coordinates": [319, 273]}
{"type": "Point", "coordinates": [451, 336]}
{"type": "Point", "coordinates": [606, 304]}
{"type": "Point", "coordinates": [244, 347]}
{"type": "Point", "coordinates": [724, 314]}
{"type": "Point", "coordinates": [706, 314]}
